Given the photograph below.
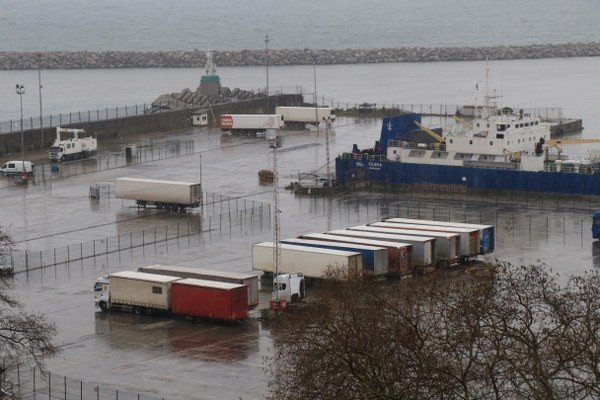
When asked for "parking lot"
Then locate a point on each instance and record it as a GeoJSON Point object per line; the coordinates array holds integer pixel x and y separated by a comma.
{"type": "Point", "coordinates": [179, 359]}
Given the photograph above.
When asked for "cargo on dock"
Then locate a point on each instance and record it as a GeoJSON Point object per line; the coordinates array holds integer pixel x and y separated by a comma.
{"type": "Point", "coordinates": [423, 248]}
{"type": "Point", "coordinates": [249, 279]}
{"type": "Point", "coordinates": [399, 254]}
{"type": "Point", "coordinates": [374, 259]}
{"type": "Point", "coordinates": [487, 237]}
{"type": "Point", "coordinates": [312, 262]}
{"type": "Point", "coordinates": [447, 245]}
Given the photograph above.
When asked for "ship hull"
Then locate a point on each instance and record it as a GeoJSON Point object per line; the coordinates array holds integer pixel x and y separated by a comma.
{"type": "Point", "coordinates": [360, 169]}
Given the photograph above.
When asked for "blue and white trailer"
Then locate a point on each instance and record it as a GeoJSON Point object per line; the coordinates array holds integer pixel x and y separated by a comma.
{"type": "Point", "coordinates": [374, 259]}
{"type": "Point", "coordinates": [487, 234]}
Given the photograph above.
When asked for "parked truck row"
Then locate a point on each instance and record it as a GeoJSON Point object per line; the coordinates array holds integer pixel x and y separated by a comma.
{"type": "Point", "coordinates": [189, 292]}
{"type": "Point", "coordinates": [398, 246]}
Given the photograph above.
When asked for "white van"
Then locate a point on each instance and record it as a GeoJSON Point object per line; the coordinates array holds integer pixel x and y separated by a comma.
{"type": "Point", "coordinates": [17, 167]}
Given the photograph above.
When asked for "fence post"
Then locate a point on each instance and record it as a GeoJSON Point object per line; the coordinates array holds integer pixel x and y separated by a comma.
{"type": "Point", "coordinates": [26, 260]}
{"type": "Point", "coordinates": [49, 385]}
{"type": "Point", "coordinates": [65, 387]}
{"type": "Point", "coordinates": [34, 383]}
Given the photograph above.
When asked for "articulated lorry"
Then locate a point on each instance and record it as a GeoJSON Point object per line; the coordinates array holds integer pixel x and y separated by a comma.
{"type": "Point", "coordinates": [145, 293]}
{"type": "Point", "coordinates": [250, 280]}
{"type": "Point", "coordinates": [72, 148]}
{"type": "Point", "coordinates": [169, 195]}
{"type": "Point", "coordinates": [250, 123]}
{"type": "Point", "coordinates": [299, 117]}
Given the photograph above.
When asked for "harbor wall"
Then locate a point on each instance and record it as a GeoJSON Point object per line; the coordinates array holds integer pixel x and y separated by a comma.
{"type": "Point", "coordinates": [196, 58]}
{"type": "Point", "coordinates": [149, 123]}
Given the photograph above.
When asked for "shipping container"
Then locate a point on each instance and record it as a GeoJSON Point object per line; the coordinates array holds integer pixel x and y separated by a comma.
{"type": "Point", "coordinates": [469, 237]}
{"type": "Point", "coordinates": [447, 245]}
{"type": "Point", "coordinates": [374, 259]}
{"type": "Point", "coordinates": [250, 280]}
{"type": "Point", "coordinates": [163, 194]}
{"type": "Point", "coordinates": [424, 249]}
{"type": "Point", "coordinates": [312, 262]}
{"type": "Point", "coordinates": [209, 299]}
{"type": "Point", "coordinates": [487, 237]}
{"type": "Point", "coordinates": [137, 289]}
{"type": "Point", "coordinates": [399, 254]}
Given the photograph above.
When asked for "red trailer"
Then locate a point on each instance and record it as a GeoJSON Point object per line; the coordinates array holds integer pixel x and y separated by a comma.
{"type": "Point", "coordinates": [209, 299]}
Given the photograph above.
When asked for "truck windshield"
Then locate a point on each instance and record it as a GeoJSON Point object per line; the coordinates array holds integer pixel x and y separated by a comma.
{"type": "Point", "coordinates": [98, 287]}
{"type": "Point", "coordinates": [55, 148]}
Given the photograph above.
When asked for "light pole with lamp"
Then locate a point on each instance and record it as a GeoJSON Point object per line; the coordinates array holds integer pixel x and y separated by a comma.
{"type": "Point", "coordinates": [20, 92]}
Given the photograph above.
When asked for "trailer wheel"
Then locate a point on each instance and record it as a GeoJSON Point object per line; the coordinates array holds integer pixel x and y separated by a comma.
{"type": "Point", "coordinates": [104, 306]}
{"type": "Point", "coordinates": [138, 310]}
{"type": "Point", "coordinates": [63, 158]}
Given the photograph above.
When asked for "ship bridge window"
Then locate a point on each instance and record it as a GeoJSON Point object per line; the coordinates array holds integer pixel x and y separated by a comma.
{"type": "Point", "coordinates": [156, 290]}
{"type": "Point", "coordinates": [470, 142]}
{"type": "Point", "coordinates": [500, 127]}
{"type": "Point", "coordinates": [499, 135]}
{"type": "Point", "coordinates": [450, 140]}
{"type": "Point", "coordinates": [526, 123]}
{"type": "Point", "coordinates": [491, 143]}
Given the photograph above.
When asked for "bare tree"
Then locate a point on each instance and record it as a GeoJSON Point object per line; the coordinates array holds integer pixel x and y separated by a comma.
{"type": "Point", "coordinates": [518, 333]}
{"type": "Point", "coordinates": [24, 336]}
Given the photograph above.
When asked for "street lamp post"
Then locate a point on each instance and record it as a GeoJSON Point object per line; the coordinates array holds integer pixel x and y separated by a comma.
{"type": "Point", "coordinates": [267, 65]}
{"type": "Point", "coordinates": [20, 92]}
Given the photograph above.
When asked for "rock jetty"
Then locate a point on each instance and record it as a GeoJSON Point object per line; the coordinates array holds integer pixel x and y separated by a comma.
{"type": "Point", "coordinates": [196, 58]}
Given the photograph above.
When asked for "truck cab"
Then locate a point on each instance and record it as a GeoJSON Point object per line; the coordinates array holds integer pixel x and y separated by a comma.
{"type": "Point", "coordinates": [101, 293]}
{"type": "Point", "coordinates": [291, 287]}
{"type": "Point", "coordinates": [596, 225]}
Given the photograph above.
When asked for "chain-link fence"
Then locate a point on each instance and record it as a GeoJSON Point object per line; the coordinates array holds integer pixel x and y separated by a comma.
{"type": "Point", "coordinates": [130, 155]}
{"type": "Point", "coordinates": [78, 117]}
{"type": "Point", "coordinates": [29, 383]}
{"type": "Point", "coordinates": [218, 214]}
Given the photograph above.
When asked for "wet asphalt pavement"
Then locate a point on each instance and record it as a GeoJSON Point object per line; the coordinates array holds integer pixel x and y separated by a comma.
{"type": "Point", "coordinates": [180, 359]}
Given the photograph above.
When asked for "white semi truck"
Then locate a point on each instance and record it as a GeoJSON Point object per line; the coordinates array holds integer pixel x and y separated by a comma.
{"type": "Point", "coordinates": [169, 195]}
{"type": "Point", "coordinates": [251, 123]}
{"type": "Point", "coordinates": [299, 117]}
{"type": "Point", "coordinates": [72, 148]}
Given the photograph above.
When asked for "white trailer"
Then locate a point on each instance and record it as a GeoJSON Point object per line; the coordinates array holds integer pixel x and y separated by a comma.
{"type": "Point", "coordinates": [447, 245]}
{"type": "Point", "coordinates": [298, 117]}
{"type": "Point", "coordinates": [374, 258]}
{"type": "Point", "coordinates": [424, 248]}
{"type": "Point", "coordinates": [250, 280]}
{"type": "Point", "coordinates": [400, 255]}
{"type": "Point", "coordinates": [251, 123]}
{"type": "Point", "coordinates": [487, 237]}
{"type": "Point", "coordinates": [469, 237]}
{"type": "Point", "coordinates": [312, 262]}
{"type": "Point", "coordinates": [168, 195]}
{"type": "Point", "coordinates": [73, 148]}
{"type": "Point", "coordinates": [135, 290]}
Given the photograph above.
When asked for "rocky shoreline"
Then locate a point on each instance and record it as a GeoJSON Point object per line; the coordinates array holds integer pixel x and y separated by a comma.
{"type": "Point", "coordinates": [196, 58]}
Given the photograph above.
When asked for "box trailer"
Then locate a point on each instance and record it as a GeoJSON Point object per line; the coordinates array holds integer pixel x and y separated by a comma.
{"type": "Point", "coordinates": [209, 299]}
{"type": "Point", "coordinates": [424, 249]}
{"type": "Point", "coordinates": [138, 291]}
{"type": "Point", "coordinates": [248, 279]}
{"type": "Point", "coordinates": [171, 195]}
{"type": "Point", "coordinates": [469, 237]}
{"type": "Point", "coordinates": [374, 259]}
{"type": "Point", "coordinates": [447, 245]}
{"type": "Point", "coordinates": [310, 261]}
{"type": "Point", "coordinates": [399, 254]}
{"type": "Point", "coordinates": [487, 236]}
{"type": "Point", "coordinates": [251, 123]}
{"type": "Point", "coordinates": [298, 117]}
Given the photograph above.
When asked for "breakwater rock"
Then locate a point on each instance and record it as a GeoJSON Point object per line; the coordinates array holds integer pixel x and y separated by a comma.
{"type": "Point", "coordinates": [196, 58]}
